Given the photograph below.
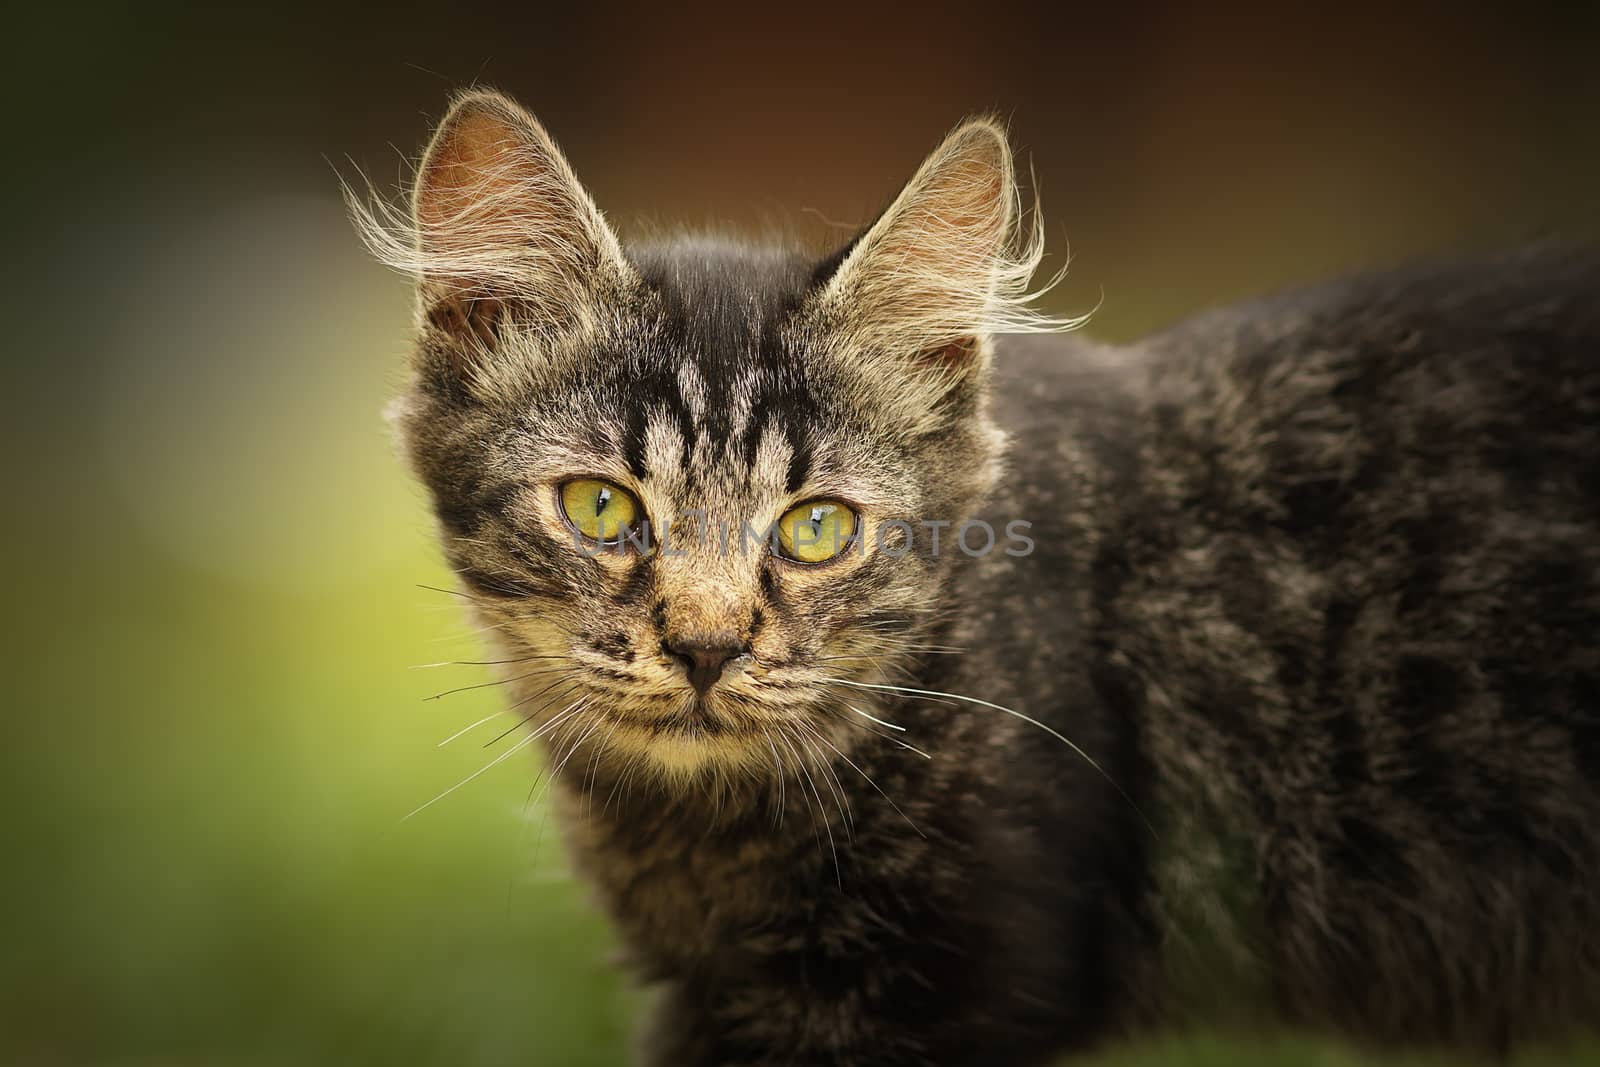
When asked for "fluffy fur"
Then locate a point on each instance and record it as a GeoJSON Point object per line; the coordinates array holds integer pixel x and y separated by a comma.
{"type": "Point", "coordinates": [1296, 695]}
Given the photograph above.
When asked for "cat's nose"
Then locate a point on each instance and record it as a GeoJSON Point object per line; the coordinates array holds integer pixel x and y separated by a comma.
{"type": "Point", "coordinates": [704, 661]}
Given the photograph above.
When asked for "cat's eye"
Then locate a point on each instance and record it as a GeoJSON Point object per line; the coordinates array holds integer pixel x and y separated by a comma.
{"type": "Point", "coordinates": [599, 510]}
{"type": "Point", "coordinates": [816, 531]}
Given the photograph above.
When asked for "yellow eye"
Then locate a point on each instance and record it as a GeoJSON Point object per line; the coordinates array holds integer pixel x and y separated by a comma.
{"type": "Point", "coordinates": [816, 530]}
{"type": "Point", "coordinates": [600, 509]}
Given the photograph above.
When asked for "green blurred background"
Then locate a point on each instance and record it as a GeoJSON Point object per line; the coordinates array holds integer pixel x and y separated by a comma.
{"type": "Point", "coordinates": [217, 721]}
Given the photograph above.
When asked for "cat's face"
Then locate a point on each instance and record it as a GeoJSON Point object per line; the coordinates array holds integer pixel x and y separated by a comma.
{"type": "Point", "coordinates": [569, 393]}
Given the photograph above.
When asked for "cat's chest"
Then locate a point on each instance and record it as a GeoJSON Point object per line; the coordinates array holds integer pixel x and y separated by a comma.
{"type": "Point", "coordinates": [680, 884]}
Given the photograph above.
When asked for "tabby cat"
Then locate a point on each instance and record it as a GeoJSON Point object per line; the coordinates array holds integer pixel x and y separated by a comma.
{"type": "Point", "coordinates": [923, 687]}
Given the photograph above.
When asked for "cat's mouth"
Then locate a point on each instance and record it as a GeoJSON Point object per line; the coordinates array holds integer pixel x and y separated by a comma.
{"type": "Point", "coordinates": [743, 721]}
{"type": "Point", "coordinates": [688, 736]}
{"type": "Point", "coordinates": [700, 716]}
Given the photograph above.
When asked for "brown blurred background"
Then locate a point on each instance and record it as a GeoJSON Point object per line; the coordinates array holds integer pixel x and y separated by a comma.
{"type": "Point", "coordinates": [215, 728]}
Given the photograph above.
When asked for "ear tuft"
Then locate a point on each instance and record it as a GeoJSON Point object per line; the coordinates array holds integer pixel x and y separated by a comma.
{"type": "Point", "coordinates": [498, 226]}
{"type": "Point", "coordinates": [948, 264]}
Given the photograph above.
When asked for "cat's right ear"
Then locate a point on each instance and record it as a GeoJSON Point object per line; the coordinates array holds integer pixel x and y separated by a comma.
{"type": "Point", "coordinates": [500, 230]}
{"type": "Point", "coordinates": [913, 302]}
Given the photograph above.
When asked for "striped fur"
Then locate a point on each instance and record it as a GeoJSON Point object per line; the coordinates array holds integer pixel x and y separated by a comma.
{"type": "Point", "coordinates": [1290, 716]}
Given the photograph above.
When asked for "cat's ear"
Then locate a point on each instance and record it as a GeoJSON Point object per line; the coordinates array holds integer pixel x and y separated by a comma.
{"type": "Point", "coordinates": [501, 227]}
{"type": "Point", "coordinates": [944, 267]}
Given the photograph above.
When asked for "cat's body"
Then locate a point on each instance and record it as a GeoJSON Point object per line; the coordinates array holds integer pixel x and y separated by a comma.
{"type": "Point", "coordinates": [1355, 693]}
{"type": "Point", "coordinates": [1290, 708]}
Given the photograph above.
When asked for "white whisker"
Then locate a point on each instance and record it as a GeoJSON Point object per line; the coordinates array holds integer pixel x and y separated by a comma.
{"type": "Point", "coordinates": [868, 779]}
{"type": "Point", "coordinates": [468, 729]}
{"type": "Point", "coordinates": [818, 813]}
{"type": "Point", "coordinates": [874, 718]}
{"type": "Point", "coordinates": [507, 754]}
{"type": "Point", "coordinates": [932, 693]}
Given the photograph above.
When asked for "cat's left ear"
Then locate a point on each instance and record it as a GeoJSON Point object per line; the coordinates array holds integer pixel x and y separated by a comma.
{"type": "Point", "coordinates": [500, 228]}
{"type": "Point", "coordinates": [920, 292]}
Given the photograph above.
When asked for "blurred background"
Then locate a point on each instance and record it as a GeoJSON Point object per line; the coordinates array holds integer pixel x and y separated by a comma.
{"type": "Point", "coordinates": [217, 718]}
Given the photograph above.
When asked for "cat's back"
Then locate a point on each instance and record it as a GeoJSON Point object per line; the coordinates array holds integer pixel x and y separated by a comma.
{"type": "Point", "coordinates": [1423, 413]}
{"type": "Point", "coordinates": [1415, 453]}
{"type": "Point", "coordinates": [1489, 366]}
{"type": "Point", "coordinates": [1344, 570]}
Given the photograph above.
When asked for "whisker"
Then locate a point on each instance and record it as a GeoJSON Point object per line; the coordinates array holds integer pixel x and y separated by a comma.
{"type": "Point", "coordinates": [490, 685]}
{"type": "Point", "coordinates": [783, 737]}
{"type": "Point", "coordinates": [478, 662]}
{"type": "Point", "coordinates": [517, 704]}
{"type": "Point", "coordinates": [815, 733]}
{"type": "Point", "coordinates": [448, 592]}
{"type": "Point", "coordinates": [887, 652]}
{"type": "Point", "coordinates": [507, 754]}
{"type": "Point", "coordinates": [840, 799]}
{"type": "Point", "coordinates": [576, 745]}
{"type": "Point", "coordinates": [625, 775]}
{"type": "Point", "coordinates": [823, 813]}
{"type": "Point", "coordinates": [778, 766]}
{"type": "Point", "coordinates": [549, 779]}
{"type": "Point", "coordinates": [874, 718]}
{"type": "Point", "coordinates": [1016, 714]}
{"type": "Point", "coordinates": [570, 712]}
{"type": "Point", "coordinates": [527, 718]}
{"type": "Point", "coordinates": [886, 737]}
{"type": "Point", "coordinates": [591, 776]}
{"type": "Point", "coordinates": [468, 729]}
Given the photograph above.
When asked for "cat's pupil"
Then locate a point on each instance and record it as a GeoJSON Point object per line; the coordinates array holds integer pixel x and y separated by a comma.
{"type": "Point", "coordinates": [601, 499]}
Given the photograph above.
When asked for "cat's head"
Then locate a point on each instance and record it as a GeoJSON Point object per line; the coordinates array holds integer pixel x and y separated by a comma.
{"type": "Point", "coordinates": [565, 384]}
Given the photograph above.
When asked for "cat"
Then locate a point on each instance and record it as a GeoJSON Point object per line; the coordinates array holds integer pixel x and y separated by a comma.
{"type": "Point", "coordinates": [1255, 681]}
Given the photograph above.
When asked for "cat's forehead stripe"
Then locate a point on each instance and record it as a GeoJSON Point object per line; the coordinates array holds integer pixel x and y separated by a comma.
{"type": "Point", "coordinates": [740, 402]}
{"type": "Point", "coordinates": [718, 338]}
{"type": "Point", "coordinates": [692, 390]}
{"type": "Point", "coordinates": [650, 393]}
{"type": "Point", "coordinates": [773, 459]}
{"type": "Point", "coordinates": [708, 426]}
{"type": "Point", "coordinates": [664, 450]}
